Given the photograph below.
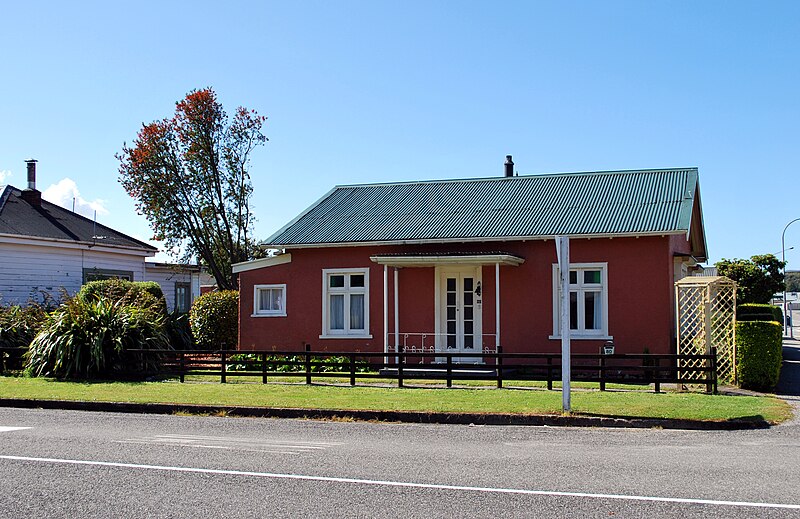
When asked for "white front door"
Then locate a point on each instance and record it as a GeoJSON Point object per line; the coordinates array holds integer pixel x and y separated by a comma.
{"type": "Point", "coordinates": [460, 308]}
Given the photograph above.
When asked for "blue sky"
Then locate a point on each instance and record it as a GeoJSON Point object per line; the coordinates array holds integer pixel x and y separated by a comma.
{"type": "Point", "coordinates": [410, 90]}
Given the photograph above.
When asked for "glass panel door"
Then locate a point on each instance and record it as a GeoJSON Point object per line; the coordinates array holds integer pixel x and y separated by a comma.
{"type": "Point", "coordinates": [451, 305]}
{"type": "Point", "coordinates": [460, 307]}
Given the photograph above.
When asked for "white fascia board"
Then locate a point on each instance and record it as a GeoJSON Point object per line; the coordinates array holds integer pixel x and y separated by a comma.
{"type": "Point", "coordinates": [470, 240]}
{"type": "Point", "coordinates": [473, 259]}
{"type": "Point", "coordinates": [261, 263]}
{"type": "Point", "coordinates": [71, 244]}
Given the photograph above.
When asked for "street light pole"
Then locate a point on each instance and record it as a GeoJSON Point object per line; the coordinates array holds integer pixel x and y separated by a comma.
{"type": "Point", "coordinates": [783, 259]}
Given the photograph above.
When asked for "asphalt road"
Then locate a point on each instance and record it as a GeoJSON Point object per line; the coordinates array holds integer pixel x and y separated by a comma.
{"type": "Point", "coordinates": [85, 464]}
{"type": "Point", "coordinates": [789, 383]}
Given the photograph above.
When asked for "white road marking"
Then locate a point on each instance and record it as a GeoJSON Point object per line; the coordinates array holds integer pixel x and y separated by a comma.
{"type": "Point", "coordinates": [9, 429]}
{"type": "Point", "coordinates": [409, 484]}
{"type": "Point", "coordinates": [221, 442]}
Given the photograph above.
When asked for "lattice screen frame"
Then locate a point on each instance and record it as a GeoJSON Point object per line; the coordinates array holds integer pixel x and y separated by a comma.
{"type": "Point", "coordinates": [706, 318]}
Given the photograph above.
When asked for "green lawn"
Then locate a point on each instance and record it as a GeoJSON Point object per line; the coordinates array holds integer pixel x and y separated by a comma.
{"type": "Point", "coordinates": [696, 406]}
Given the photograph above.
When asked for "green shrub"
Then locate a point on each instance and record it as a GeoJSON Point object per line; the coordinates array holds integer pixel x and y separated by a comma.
{"type": "Point", "coordinates": [214, 319]}
{"type": "Point", "coordinates": [759, 312]}
{"type": "Point", "coordinates": [282, 363]}
{"type": "Point", "coordinates": [758, 354]}
{"type": "Point", "coordinates": [130, 292]}
{"type": "Point", "coordinates": [19, 325]}
{"type": "Point", "coordinates": [89, 339]}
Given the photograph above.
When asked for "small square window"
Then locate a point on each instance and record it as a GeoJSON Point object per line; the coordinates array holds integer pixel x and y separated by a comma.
{"type": "Point", "coordinates": [357, 280]}
{"type": "Point", "coordinates": [269, 300]}
{"type": "Point", "coordinates": [337, 281]}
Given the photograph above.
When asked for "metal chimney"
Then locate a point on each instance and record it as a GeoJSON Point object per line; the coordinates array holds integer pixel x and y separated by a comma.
{"type": "Point", "coordinates": [509, 166]}
{"type": "Point", "coordinates": [31, 173]}
{"type": "Point", "coordinates": [32, 195]}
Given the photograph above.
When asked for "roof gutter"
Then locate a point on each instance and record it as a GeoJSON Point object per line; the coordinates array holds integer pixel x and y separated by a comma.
{"type": "Point", "coordinates": [31, 240]}
{"type": "Point", "coordinates": [678, 232]}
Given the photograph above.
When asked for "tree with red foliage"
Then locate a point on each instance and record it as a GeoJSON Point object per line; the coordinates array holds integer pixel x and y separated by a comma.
{"type": "Point", "coordinates": [189, 177]}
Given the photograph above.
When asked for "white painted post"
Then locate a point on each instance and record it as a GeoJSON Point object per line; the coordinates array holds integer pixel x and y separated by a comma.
{"type": "Point", "coordinates": [497, 307]}
{"type": "Point", "coordinates": [386, 314]}
{"type": "Point", "coordinates": [396, 312]}
{"type": "Point", "coordinates": [562, 251]}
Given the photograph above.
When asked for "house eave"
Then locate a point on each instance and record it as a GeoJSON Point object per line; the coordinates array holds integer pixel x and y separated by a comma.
{"type": "Point", "coordinates": [244, 266]}
{"type": "Point", "coordinates": [74, 244]}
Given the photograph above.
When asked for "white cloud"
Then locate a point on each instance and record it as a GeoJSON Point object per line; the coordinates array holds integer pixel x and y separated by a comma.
{"type": "Point", "coordinates": [4, 174]}
{"type": "Point", "coordinates": [65, 193]}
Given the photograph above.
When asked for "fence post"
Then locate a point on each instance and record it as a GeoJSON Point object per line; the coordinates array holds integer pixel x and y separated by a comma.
{"type": "Point", "coordinates": [222, 373]}
{"type": "Point", "coordinates": [602, 370]}
{"type": "Point", "coordinates": [656, 374]}
{"type": "Point", "coordinates": [499, 366]}
{"type": "Point", "coordinates": [401, 359]}
{"type": "Point", "coordinates": [352, 369]}
{"type": "Point", "coordinates": [549, 373]}
{"type": "Point", "coordinates": [449, 373]}
{"type": "Point", "coordinates": [308, 364]}
{"type": "Point", "coordinates": [711, 387]}
{"type": "Point", "coordinates": [182, 366]}
{"type": "Point", "coordinates": [264, 368]}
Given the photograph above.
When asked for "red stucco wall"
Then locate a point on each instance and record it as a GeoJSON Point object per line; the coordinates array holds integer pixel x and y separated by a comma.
{"type": "Point", "coordinates": [640, 295]}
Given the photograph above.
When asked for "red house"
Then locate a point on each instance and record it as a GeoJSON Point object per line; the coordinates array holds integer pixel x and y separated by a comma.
{"type": "Point", "coordinates": [465, 265]}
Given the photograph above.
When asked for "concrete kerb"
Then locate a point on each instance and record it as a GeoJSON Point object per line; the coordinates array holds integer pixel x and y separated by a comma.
{"type": "Point", "coordinates": [390, 416]}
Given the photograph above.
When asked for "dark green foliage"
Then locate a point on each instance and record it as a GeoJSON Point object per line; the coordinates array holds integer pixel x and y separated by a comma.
{"type": "Point", "coordinates": [759, 312]}
{"type": "Point", "coordinates": [285, 364]}
{"type": "Point", "coordinates": [179, 331]}
{"type": "Point", "coordinates": [793, 281]}
{"type": "Point", "coordinates": [758, 354]}
{"type": "Point", "coordinates": [139, 293]}
{"type": "Point", "coordinates": [214, 319]}
{"type": "Point", "coordinates": [758, 278]}
{"type": "Point", "coordinates": [19, 325]}
{"type": "Point", "coordinates": [89, 338]}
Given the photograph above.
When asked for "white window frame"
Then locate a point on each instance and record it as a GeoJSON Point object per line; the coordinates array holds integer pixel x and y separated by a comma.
{"type": "Point", "coordinates": [327, 333]}
{"type": "Point", "coordinates": [598, 334]}
{"type": "Point", "coordinates": [257, 301]}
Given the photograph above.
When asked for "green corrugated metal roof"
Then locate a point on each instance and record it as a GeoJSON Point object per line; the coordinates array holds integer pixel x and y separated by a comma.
{"type": "Point", "coordinates": [575, 204]}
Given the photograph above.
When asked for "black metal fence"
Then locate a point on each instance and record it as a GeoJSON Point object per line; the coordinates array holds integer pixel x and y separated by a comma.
{"type": "Point", "coordinates": [642, 369]}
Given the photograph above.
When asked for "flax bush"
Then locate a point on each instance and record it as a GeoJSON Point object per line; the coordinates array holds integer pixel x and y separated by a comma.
{"type": "Point", "coordinates": [88, 338]}
{"type": "Point", "coordinates": [19, 325]}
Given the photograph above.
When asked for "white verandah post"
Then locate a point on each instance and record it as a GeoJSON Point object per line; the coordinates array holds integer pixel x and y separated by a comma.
{"type": "Point", "coordinates": [497, 307]}
{"type": "Point", "coordinates": [396, 313]}
{"type": "Point", "coordinates": [386, 314]}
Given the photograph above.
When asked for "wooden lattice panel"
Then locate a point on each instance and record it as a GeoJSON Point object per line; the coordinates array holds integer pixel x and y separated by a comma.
{"type": "Point", "coordinates": [706, 318]}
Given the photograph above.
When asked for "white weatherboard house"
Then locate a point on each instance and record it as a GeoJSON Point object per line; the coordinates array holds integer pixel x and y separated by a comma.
{"type": "Point", "coordinates": [45, 248]}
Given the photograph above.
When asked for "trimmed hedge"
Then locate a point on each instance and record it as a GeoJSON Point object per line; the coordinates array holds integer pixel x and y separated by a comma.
{"type": "Point", "coordinates": [759, 354]}
{"type": "Point", "coordinates": [214, 319]}
{"type": "Point", "coordinates": [759, 312]}
{"type": "Point", "coordinates": [137, 293]}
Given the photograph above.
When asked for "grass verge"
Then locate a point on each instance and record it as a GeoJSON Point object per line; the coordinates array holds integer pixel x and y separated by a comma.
{"type": "Point", "coordinates": [693, 406]}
